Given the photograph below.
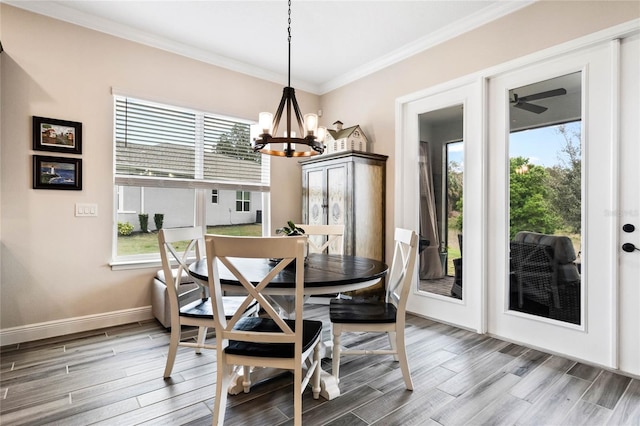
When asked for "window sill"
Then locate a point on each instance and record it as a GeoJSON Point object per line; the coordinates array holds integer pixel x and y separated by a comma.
{"type": "Point", "coordinates": [121, 265]}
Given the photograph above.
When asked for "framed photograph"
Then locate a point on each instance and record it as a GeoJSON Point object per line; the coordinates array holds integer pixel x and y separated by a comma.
{"type": "Point", "coordinates": [57, 173]}
{"type": "Point", "coordinates": [50, 134]}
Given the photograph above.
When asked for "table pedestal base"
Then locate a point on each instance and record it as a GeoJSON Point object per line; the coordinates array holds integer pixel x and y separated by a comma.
{"type": "Point", "coordinates": [328, 384]}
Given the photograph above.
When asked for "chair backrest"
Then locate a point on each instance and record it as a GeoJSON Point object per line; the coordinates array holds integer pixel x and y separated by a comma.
{"type": "Point", "coordinates": [402, 268]}
{"type": "Point", "coordinates": [179, 245]}
{"type": "Point", "coordinates": [316, 234]}
{"type": "Point", "coordinates": [223, 252]}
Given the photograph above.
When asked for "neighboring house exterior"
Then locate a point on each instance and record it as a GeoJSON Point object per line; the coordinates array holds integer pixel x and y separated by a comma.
{"type": "Point", "coordinates": [224, 211]}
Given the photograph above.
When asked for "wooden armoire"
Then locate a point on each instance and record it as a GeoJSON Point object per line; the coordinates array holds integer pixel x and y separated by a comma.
{"type": "Point", "coordinates": [348, 188]}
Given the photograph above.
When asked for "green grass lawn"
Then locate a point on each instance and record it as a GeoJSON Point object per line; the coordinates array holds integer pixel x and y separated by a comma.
{"type": "Point", "coordinates": [139, 243]}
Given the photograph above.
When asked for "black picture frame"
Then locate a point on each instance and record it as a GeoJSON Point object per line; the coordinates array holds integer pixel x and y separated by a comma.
{"type": "Point", "coordinates": [57, 173]}
{"type": "Point", "coordinates": [50, 134]}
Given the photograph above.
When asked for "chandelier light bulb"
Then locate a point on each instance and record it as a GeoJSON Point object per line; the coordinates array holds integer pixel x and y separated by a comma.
{"type": "Point", "coordinates": [265, 119]}
{"type": "Point", "coordinates": [311, 124]}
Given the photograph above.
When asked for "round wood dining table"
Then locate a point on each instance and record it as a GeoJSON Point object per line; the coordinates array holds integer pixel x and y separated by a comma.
{"type": "Point", "coordinates": [323, 274]}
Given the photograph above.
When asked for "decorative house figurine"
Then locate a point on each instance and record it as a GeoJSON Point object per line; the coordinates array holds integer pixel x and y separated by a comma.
{"type": "Point", "coordinates": [349, 139]}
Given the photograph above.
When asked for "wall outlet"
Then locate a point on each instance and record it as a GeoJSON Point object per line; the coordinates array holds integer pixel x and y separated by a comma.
{"type": "Point", "coordinates": [86, 210]}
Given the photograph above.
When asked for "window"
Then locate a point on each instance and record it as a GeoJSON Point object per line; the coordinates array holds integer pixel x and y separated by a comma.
{"type": "Point", "coordinates": [243, 201]}
{"type": "Point", "coordinates": [167, 159]}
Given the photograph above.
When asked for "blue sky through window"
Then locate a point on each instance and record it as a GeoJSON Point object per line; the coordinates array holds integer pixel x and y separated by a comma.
{"type": "Point", "coordinates": [542, 145]}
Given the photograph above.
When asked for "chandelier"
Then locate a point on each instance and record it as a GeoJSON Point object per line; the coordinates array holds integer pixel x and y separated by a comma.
{"type": "Point", "coordinates": [285, 146]}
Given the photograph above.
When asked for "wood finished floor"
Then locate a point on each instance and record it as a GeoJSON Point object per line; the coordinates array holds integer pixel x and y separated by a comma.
{"type": "Point", "coordinates": [114, 377]}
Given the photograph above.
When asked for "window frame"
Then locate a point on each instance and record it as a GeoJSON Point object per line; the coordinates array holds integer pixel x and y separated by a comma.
{"type": "Point", "coordinates": [203, 187]}
{"type": "Point", "coordinates": [245, 202]}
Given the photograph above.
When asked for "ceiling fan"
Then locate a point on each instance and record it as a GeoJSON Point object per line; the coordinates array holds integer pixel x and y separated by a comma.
{"type": "Point", "coordinates": [523, 102]}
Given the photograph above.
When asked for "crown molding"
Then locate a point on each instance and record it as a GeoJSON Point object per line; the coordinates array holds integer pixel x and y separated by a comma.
{"type": "Point", "coordinates": [449, 32]}
{"type": "Point", "coordinates": [64, 13]}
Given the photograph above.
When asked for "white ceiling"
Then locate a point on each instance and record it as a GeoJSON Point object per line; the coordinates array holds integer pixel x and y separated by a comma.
{"type": "Point", "coordinates": [333, 42]}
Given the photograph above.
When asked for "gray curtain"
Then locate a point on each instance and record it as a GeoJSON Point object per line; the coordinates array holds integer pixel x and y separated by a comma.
{"type": "Point", "coordinates": [430, 265]}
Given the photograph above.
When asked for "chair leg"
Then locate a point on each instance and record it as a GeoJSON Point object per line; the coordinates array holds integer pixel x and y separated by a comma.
{"type": "Point", "coordinates": [393, 343]}
{"type": "Point", "coordinates": [297, 395]}
{"type": "Point", "coordinates": [315, 386]}
{"type": "Point", "coordinates": [404, 362]}
{"type": "Point", "coordinates": [173, 348]}
{"type": "Point", "coordinates": [202, 336]}
{"type": "Point", "coordinates": [222, 390]}
{"type": "Point", "coordinates": [246, 378]}
{"type": "Point", "coordinates": [335, 352]}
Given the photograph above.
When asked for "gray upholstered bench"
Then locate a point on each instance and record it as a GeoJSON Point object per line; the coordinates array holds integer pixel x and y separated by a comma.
{"type": "Point", "coordinates": [188, 292]}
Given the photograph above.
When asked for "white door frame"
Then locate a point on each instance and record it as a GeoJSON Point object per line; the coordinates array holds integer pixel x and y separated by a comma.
{"type": "Point", "coordinates": [406, 211]}
{"type": "Point", "coordinates": [595, 339]}
{"type": "Point", "coordinates": [629, 206]}
{"type": "Point", "coordinates": [465, 312]}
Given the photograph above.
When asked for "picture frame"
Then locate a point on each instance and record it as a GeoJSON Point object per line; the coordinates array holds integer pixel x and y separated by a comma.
{"type": "Point", "coordinates": [57, 173]}
{"type": "Point", "coordinates": [50, 134]}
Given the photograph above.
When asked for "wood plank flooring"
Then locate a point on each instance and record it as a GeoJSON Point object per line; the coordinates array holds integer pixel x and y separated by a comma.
{"type": "Point", "coordinates": [114, 377]}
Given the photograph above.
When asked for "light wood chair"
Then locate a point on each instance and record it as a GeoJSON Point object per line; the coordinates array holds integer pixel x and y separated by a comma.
{"type": "Point", "coordinates": [386, 316]}
{"type": "Point", "coordinates": [268, 340]}
{"type": "Point", "coordinates": [180, 245]}
{"type": "Point", "coordinates": [324, 238]}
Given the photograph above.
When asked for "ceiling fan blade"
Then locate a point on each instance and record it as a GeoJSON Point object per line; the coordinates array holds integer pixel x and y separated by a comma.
{"type": "Point", "coordinates": [531, 107]}
{"type": "Point", "coordinates": [543, 95]}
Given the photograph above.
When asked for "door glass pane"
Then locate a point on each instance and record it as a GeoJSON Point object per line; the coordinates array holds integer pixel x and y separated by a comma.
{"type": "Point", "coordinates": [545, 186]}
{"type": "Point", "coordinates": [441, 176]}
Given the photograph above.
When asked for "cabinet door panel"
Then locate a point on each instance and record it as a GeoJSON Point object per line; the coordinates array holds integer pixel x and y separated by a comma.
{"type": "Point", "coordinates": [336, 192]}
{"type": "Point", "coordinates": [315, 204]}
{"type": "Point", "coordinates": [368, 209]}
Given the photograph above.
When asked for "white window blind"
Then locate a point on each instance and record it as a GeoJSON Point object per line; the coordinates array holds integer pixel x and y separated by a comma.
{"type": "Point", "coordinates": [163, 145]}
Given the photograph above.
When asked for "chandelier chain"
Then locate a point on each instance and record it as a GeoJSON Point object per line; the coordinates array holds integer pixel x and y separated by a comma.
{"type": "Point", "coordinates": [289, 40]}
{"type": "Point", "coordinates": [309, 136]}
{"type": "Point", "coordinates": [289, 29]}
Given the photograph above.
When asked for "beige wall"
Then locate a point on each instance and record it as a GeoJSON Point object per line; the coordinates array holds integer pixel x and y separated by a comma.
{"type": "Point", "coordinates": [55, 266]}
{"type": "Point", "coordinates": [370, 101]}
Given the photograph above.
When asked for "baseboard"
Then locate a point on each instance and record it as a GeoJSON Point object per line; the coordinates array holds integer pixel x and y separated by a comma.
{"type": "Point", "coordinates": [44, 330]}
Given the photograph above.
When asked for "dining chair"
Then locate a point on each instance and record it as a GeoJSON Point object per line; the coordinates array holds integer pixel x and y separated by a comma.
{"type": "Point", "coordinates": [179, 245]}
{"type": "Point", "coordinates": [387, 316]}
{"type": "Point", "coordinates": [316, 234]}
{"type": "Point", "coordinates": [327, 239]}
{"type": "Point", "coordinates": [267, 340]}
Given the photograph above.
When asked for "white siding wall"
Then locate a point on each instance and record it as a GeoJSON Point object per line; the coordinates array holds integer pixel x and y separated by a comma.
{"type": "Point", "coordinates": [156, 200]}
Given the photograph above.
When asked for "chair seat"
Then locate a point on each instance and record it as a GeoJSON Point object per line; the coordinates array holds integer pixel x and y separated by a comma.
{"type": "Point", "coordinates": [310, 333]}
{"type": "Point", "coordinates": [201, 308]}
{"type": "Point", "coordinates": [353, 312]}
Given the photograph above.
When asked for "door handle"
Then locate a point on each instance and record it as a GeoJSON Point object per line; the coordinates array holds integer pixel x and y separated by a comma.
{"type": "Point", "coordinates": [629, 247]}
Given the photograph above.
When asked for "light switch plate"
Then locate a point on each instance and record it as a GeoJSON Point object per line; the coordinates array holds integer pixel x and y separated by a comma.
{"type": "Point", "coordinates": [86, 209]}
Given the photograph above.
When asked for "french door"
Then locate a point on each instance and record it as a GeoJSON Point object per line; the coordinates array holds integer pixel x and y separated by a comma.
{"type": "Point", "coordinates": [591, 98]}
{"type": "Point", "coordinates": [541, 295]}
{"type": "Point", "coordinates": [446, 117]}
